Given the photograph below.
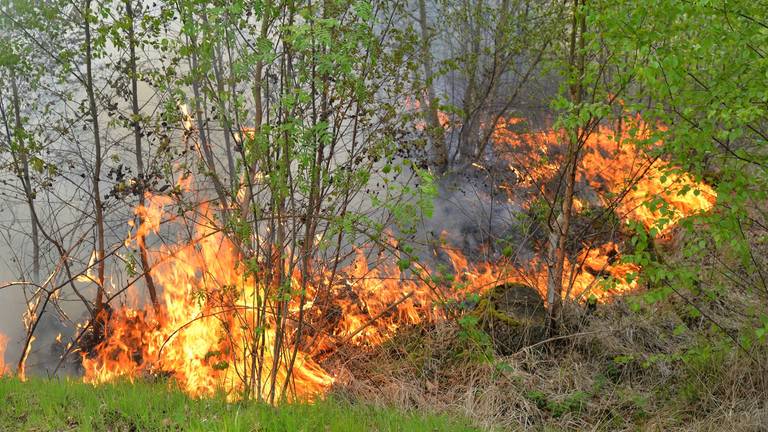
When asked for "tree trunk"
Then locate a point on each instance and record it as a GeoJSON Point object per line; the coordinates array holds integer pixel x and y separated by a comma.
{"type": "Point", "coordinates": [429, 103]}
{"type": "Point", "coordinates": [204, 146]}
{"type": "Point", "coordinates": [94, 113]}
{"type": "Point", "coordinates": [26, 181]}
{"type": "Point", "coordinates": [145, 266]}
{"type": "Point", "coordinates": [226, 124]}
{"type": "Point", "coordinates": [472, 105]}
{"type": "Point", "coordinates": [558, 236]}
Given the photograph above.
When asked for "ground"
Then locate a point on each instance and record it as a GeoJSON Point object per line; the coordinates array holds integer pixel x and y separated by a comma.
{"type": "Point", "coordinates": [613, 370]}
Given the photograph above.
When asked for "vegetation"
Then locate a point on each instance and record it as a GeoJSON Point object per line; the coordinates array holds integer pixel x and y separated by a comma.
{"type": "Point", "coordinates": [67, 405]}
{"type": "Point", "coordinates": [526, 213]}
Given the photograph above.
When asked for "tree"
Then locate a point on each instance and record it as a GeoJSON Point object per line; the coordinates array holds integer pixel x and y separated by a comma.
{"type": "Point", "coordinates": [477, 61]}
{"type": "Point", "coordinates": [141, 174]}
{"type": "Point", "coordinates": [90, 90]}
{"type": "Point", "coordinates": [576, 137]}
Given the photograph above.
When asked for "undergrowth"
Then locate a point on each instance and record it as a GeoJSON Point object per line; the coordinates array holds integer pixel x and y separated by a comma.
{"type": "Point", "coordinates": [615, 370]}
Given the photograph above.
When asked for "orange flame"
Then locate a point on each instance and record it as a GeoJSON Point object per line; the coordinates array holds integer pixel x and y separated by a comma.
{"type": "Point", "coordinates": [414, 105]}
{"type": "Point", "coordinates": [625, 168]}
{"type": "Point", "coordinates": [200, 337]}
{"type": "Point", "coordinates": [3, 345]}
{"type": "Point", "coordinates": [23, 362]}
{"type": "Point", "coordinates": [614, 167]}
{"type": "Point", "coordinates": [623, 176]}
{"type": "Point", "coordinates": [203, 334]}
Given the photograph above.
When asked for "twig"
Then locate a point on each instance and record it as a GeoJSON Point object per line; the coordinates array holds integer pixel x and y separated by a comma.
{"type": "Point", "coordinates": [376, 318]}
{"type": "Point", "coordinates": [556, 338]}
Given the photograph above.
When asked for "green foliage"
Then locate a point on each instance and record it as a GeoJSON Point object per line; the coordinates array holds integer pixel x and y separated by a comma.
{"type": "Point", "coordinates": [479, 346]}
{"type": "Point", "coordinates": [698, 68]}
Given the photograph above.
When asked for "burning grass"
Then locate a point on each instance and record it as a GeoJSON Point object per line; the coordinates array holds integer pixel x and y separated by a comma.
{"type": "Point", "coordinates": [618, 169]}
{"type": "Point", "coordinates": [206, 330]}
{"type": "Point", "coordinates": [67, 405]}
{"type": "Point", "coordinates": [637, 362]}
{"type": "Point", "coordinates": [213, 330]}
{"type": "Point", "coordinates": [214, 327]}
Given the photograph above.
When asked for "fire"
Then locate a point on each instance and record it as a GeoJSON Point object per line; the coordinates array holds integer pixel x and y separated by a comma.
{"type": "Point", "coordinates": [623, 175]}
{"type": "Point", "coordinates": [623, 168]}
{"type": "Point", "coordinates": [443, 118]}
{"type": "Point", "coordinates": [537, 165]}
{"type": "Point", "coordinates": [599, 274]}
{"type": "Point", "coordinates": [23, 363]}
{"type": "Point", "coordinates": [204, 334]}
{"type": "Point", "coordinates": [612, 165]}
{"type": "Point", "coordinates": [3, 345]}
{"type": "Point", "coordinates": [200, 337]}
{"type": "Point", "coordinates": [680, 192]}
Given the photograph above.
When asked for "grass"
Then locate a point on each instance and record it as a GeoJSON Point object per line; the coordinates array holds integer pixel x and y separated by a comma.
{"type": "Point", "coordinates": [618, 371]}
{"type": "Point", "coordinates": [65, 405]}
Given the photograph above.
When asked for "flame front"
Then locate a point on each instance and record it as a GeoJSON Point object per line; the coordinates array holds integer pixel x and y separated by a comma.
{"type": "Point", "coordinates": [205, 331]}
{"type": "Point", "coordinates": [3, 345]}
{"type": "Point", "coordinates": [612, 165]}
{"type": "Point", "coordinates": [199, 336]}
{"type": "Point", "coordinates": [623, 176]}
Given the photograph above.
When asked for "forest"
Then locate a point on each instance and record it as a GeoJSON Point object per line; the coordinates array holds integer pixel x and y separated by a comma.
{"type": "Point", "coordinates": [399, 215]}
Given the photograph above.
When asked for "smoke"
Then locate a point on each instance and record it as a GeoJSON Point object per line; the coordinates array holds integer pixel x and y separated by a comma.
{"type": "Point", "coordinates": [473, 214]}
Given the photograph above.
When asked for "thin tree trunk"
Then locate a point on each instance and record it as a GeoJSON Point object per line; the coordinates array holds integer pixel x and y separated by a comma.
{"type": "Point", "coordinates": [498, 67]}
{"type": "Point", "coordinates": [94, 113]}
{"type": "Point", "coordinates": [26, 181]}
{"type": "Point", "coordinates": [145, 266]}
{"type": "Point", "coordinates": [559, 232]}
{"type": "Point", "coordinates": [204, 143]}
{"type": "Point", "coordinates": [217, 66]}
{"type": "Point", "coordinates": [429, 104]}
{"type": "Point", "coordinates": [258, 90]}
{"type": "Point", "coordinates": [256, 370]}
{"type": "Point", "coordinates": [283, 158]}
{"type": "Point", "coordinates": [312, 211]}
{"type": "Point", "coordinates": [226, 122]}
{"type": "Point", "coordinates": [470, 130]}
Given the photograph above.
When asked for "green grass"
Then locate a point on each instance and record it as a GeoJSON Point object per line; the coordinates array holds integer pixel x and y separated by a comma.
{"type": "Point", "coordinates": [63, 405]}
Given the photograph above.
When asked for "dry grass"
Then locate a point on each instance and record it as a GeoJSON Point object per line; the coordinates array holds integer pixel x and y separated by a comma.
{"type": "Point", "coordinates": [617, 370]}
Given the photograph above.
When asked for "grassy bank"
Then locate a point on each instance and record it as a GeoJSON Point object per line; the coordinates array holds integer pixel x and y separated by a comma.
{"type": "Point", "coordinates": [62, 405]}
